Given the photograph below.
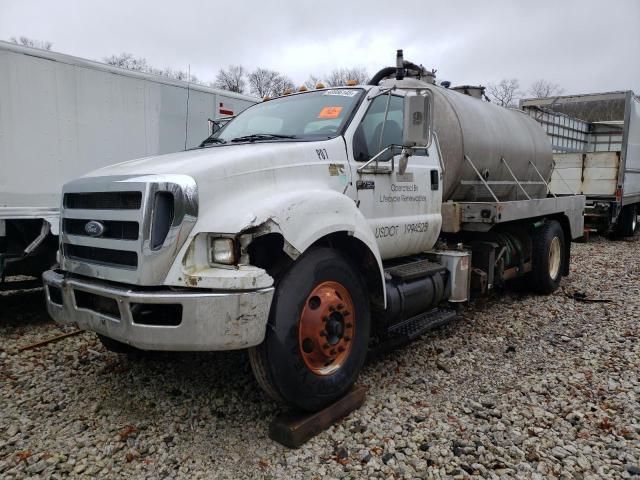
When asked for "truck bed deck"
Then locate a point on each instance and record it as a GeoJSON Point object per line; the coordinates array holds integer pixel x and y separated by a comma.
{"type": "Point", "coordinates": [482, 216]}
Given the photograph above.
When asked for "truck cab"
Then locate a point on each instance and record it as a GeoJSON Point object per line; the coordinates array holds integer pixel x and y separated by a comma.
{"type": "Point", "coordinates": [303, 227]}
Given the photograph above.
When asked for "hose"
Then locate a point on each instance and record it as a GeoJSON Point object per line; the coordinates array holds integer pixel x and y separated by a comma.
{"type": "Point", "coordinates": [385, 72]}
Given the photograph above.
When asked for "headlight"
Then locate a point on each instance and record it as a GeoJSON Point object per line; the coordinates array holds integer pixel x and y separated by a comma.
{"type": "Point", "coordinates": [222, 250]}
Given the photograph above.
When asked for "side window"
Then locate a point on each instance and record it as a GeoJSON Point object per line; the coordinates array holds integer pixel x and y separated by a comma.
{"type": "Point", "coordinates": [373, 133]}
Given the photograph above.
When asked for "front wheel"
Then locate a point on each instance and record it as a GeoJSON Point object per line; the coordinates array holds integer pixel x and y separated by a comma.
{"type": "Point", "coordinates": [548, 258]}
{"type": "Point", "coordinates": [318, 332]}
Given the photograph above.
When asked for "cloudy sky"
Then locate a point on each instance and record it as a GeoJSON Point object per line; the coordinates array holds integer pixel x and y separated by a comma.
{"type": "Point", "coordinates": [585, 45]}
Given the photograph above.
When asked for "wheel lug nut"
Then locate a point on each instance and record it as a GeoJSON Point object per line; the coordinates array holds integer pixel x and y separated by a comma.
{"type": "Point", "coordinates": [340, 306]}
{"type": "Point", "coordinates": [346, 339]}
{"type": "Point", "coordinates": [326, 345]}
{"type": "Point", "coordinates": [333, 351]}
{"type": "Point", "coordinates": [346, 313]}
{"type": "Point", "coordinates": [341, 349]}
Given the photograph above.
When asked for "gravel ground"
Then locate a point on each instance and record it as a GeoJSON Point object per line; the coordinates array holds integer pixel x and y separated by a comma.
{"type": "Point", "coordinates": [521, 386]}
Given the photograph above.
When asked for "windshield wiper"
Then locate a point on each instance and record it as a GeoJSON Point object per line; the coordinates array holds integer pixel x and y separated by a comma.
{"type": "Point", "coordinates": [260, 136]}
{"type": "Point", "coordinates": [209, 140]}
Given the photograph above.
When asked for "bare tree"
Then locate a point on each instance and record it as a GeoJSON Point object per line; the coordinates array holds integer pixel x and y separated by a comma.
{"type": "Point", "coordinates": [543, 88]}
{"type": "Point", "coordinates": [29, 42]}
{"type": "Point", "coordinates": [340, 76]}
{"type": "Point", "coordinates": [282, 85]}
{"type": "Point", "coordinates": [268, 83]}
{"type": "Point", "coordinates": [232, 79]}
{"type": "Point", "coordinates": [505, 93]}
{"type": "Point", "coordinates": [185, 76]}
{"type": "Point", "coordinates": [130, 62]}
{"type": "Point", "coordinates": [140, 64]}
{"type": "Point", "coordinates": [312, 81]}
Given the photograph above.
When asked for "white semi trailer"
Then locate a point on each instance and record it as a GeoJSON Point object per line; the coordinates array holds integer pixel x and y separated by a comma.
{"type": "Point", "coordinates": [63, 116]}
{"type": "Point", "coordinates": [311, 223]}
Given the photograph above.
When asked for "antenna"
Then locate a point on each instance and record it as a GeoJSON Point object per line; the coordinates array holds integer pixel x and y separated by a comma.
{"type": "Point", "coordinates": [186, 121]}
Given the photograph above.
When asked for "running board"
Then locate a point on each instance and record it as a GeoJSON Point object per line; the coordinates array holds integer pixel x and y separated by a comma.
{"type": "Point", "coordinates": [415, 326]}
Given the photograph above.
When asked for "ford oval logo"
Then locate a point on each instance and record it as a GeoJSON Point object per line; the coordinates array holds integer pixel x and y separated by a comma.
{"type": "Point", "coordinates": [94, 228]}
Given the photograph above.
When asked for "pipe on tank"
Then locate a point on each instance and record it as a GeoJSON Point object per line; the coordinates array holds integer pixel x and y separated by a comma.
{"type": "Point", "coordinates": [385, 72]}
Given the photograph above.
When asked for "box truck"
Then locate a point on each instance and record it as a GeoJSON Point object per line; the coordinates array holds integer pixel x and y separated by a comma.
{"type": "Point", "coordinates": [596, 144]}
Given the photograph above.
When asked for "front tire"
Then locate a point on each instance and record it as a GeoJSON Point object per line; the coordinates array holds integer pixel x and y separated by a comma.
{"type": "Point", "coordinates": [318, 332]}
{"type": "Point", "coordinates": [548, 258]}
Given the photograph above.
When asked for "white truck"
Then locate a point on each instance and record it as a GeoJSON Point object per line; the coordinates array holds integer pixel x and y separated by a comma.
{"type": "Point", "coordinates": [63, 116]}
{"type": "Point", "coordinates": [313, 222]}
{"type": "Point", "coordinates": [596, 151]}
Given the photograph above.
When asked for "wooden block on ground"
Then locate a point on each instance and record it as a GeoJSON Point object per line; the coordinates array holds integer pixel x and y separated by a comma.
{"type": "Point", "coordinates": [292, 429]}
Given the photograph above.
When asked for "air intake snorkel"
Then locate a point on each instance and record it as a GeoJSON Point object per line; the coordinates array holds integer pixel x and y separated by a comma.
{"type": "Point", "coordinates": [402, 69]}
{"type": "Point", "coordinates": [400, 65]}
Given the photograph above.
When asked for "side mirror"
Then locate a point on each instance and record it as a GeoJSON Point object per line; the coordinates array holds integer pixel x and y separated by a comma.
{"type": "Point", "coordinates": [418, 113]}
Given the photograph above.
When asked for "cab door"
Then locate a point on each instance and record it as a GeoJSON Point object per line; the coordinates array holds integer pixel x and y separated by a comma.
{"type": "Point", "coordinates": [403, 210]}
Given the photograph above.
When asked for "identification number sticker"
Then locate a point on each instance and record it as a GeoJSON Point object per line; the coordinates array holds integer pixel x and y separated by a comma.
{"type": "Point", "coordinates": [330, 112]}
{"type": "Point", "coordinates": [342, 92]}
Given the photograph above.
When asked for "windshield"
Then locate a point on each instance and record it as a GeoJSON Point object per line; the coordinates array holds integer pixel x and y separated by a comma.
{"type": "Point", "coordinates": [313, 115]}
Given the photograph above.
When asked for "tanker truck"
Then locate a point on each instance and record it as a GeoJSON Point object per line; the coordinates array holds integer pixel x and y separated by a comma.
{"type": "Point", "coordinates": [311, 223]}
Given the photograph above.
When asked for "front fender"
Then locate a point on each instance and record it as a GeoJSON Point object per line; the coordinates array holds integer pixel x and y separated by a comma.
{"type": "Point", "coordinates": [301, 216]}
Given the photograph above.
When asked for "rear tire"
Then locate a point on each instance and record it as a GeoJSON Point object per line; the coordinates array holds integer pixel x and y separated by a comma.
{"type": "Point", "coordinates": [548, 258]}
{"type": "Point", "coordinates": [318, 332]}
{"type": "Point", "coordinates": [628, 221]}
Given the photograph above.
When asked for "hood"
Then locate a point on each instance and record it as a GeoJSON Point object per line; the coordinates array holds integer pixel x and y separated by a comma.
{"type": "Point", "coordinates": [213, 162]}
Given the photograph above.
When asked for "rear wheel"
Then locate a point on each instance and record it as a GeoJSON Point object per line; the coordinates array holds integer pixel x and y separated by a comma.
{"type": "Point", "coordinates": [548, 258]}
{"type": "Point", "coordinates": [628, 220]}
{"type": "Point", "coordinates": [318, 332]}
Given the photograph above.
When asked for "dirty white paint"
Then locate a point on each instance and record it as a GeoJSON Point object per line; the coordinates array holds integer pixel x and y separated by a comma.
{"type": "Point", "coordinates": [287, 187]}
{"type": "Point", "coordinates": [593, 173]}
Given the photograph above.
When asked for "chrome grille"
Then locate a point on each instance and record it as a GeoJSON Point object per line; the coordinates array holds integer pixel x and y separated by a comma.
{"type": "Point", "coordinates": [103, 200]}
{"type": "Point", "coordinates": [103, 256]}
{"type": "Point", "coordinates": [143, 221]}
{"type": "Point", "coordinates": [121, 230]}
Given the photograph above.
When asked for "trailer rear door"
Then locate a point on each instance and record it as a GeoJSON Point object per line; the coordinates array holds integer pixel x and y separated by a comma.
{"type": "Point", "coordinates": [631, 151]}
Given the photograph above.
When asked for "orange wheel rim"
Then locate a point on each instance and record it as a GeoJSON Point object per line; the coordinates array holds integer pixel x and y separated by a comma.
{"type": "Point", "coordinates": [326, 328]}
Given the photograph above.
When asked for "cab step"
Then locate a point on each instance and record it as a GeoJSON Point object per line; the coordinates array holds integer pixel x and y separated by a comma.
{"type": "Point", "coordinates": [415, 326]}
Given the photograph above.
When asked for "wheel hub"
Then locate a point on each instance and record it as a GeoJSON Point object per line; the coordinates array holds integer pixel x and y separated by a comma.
{"type": "Point", "coordinates": [326, 328]}
{"type": "Point", "coordinates": [555, 256]}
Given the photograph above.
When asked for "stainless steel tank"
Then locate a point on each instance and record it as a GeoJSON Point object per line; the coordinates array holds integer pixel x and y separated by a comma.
{"type": "Point", "coordinates": [486, 133]}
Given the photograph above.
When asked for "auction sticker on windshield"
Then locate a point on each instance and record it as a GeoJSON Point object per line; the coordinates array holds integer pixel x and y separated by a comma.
{"type": "Point", "coordinates": [330, 112]}
{"type": "Point", "coordinates": [342, 93]}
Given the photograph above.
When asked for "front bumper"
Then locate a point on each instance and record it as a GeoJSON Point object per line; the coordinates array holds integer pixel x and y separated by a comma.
{"type": "Point", "coordinates": [206, 321]}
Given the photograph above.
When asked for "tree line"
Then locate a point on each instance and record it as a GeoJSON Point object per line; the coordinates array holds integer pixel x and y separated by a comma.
{"type": "Point", "coordinates": [507, 92]}
{"type": "Point", "coordinates": [264, 82]}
